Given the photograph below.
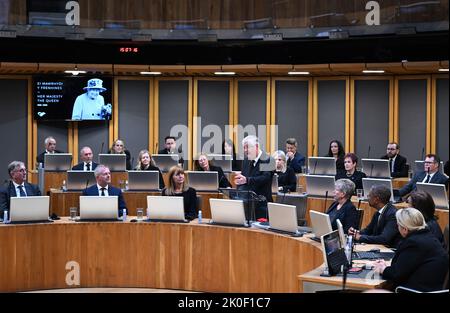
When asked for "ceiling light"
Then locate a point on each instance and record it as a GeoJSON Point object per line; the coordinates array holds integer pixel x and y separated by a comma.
{"type": "Point", "coordinates": [150, 73]}
{"type": "Point", "coordinates": [373, 71]}
{"type": "Point", "coordinates": [298, 73]}
{"type": "Point", "coordinates": [75, 72]}
{"type": "Point", "coordinates": [443, 70]}
{"type": "Point", "coordinates": [225, 73]}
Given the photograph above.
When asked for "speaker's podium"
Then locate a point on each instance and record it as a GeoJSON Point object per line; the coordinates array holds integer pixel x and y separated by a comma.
{"type": "Point", "coordinates": [255, 206]}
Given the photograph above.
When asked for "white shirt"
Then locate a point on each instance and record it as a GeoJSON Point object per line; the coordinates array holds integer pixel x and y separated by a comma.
{"type": "Point", "coordinates": [90, 166]}
{"type": "Point", "coordinates": [257, 158]}
{"type": "Point", "coordinates": [16, 186]}
{"type": "Point", "coordinates": [100, 190]}
{"type": "Point", "coordinates": [426, 175]}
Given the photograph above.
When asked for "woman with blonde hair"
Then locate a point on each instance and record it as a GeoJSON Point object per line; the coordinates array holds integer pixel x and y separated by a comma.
{"type": "Point", "coordinates": [178, 186]}
{"type": "Point", "coordinates": [118, 147]}
{"type": "Point", "coordinates": [287, 181]}
{"type": "Point", "coordinates": [203, 164]}
{"type": "Point", "coordinates": [145, 163]}
{"type": "Point", "coordinates": [420, 262]}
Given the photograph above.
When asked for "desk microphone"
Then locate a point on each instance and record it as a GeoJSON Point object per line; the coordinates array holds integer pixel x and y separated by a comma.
{"type": "Point", "coordinates": [156, 148]}
{"type": "Point", "coordinates": [314, 171]}
{"type": "Point", "coordinates": [313, 149]}
{"type": "Point", "coordinates": [371, 169]}
{"type": "Point", "coordinates": [368, 152]}
{"type": "Point", "coordinates": [132, 162]}
{"type": "Point", "coordinates": [359, 203]}
{"type": "Point", "coordinates": [87, 184]}
{"type": "Point", "coordinates": [423, 153]}
{"type": "Point", "coordinates": [325, 203]}
{"type": "Point", "coordinates": [101, 150]}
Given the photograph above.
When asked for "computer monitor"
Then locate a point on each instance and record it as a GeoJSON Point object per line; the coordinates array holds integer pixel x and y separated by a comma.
{"type": "Point", "coordinates": [57, 162]}
{"type": "Point", "coordinates": [227, 212]}
{"type": "Point", "coordinates": [320, 186]}
{"type": "Point", "coordinates": [368, 183]}
{"type": "Point", "coordinates": [203, 181]}
{"type": "Point", "coordinates": [437, 192]}
{"type": "Point", "coordinates": [320, 223]}
{"type": "Point", "coordinates": [322, 166]}
{"type": "Point", "coordinates": [115, 162]}
{"type": "Point", "coordinates": [333, 252]}
{"type": "Point", "coordinates": [283, 217]}
{"type": "Point", "coordinates": [143, 180]}
{"type": "Point", "coordinates": [419, 167]}
{"type": "Point", "coordinates": [165, 209]}
{"type": "Point", "coordinates": [224, 161]}
{"type": "Point", "coordinates": [376, 168]}
{"type": "Point", "coordinates": [29, 209]}
{"type": "Point", "coordinates": [79, 180]}
{"type": "Point", "coordinates": [99, 208]}
{"type": "Point", "coordinates": [165, 161]}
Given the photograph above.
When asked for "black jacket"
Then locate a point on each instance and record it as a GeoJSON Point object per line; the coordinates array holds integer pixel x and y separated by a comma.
{"type": "Point", "coordinates": [384, 232]}
{"type": "Point", "coordinates": [80, 166]}
{"type": "Point", "coordinates": [438, 178]}
{"type": "Point", "coordinates": [347, 215]}
{"type": "Point", "coordinates": [357, 178]}
{"type": "Point", "coordinates": [420, 263]}
{"type": "Point", "coordinates": [287, 180]}
{"type": "Point", "coordinates": [400, 166]}
{"type": "Point", "coordinates": [259, 177]}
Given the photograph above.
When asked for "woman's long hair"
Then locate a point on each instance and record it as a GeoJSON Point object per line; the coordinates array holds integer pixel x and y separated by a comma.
{"type": "Point", "coordinates": [140, 166]}
{"type": "Point", "coordinates": [341, 152]}
{"type": "Point", "coordinates": [175, 170]}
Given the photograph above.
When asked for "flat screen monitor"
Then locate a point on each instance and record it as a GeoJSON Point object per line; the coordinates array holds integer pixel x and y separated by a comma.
{"type": "Point", "coordinates": [320, 186]}
{"type": "Point", "coordinates": [57, 162]}
{"type": "Point", "coordinates": [143, 180]}
{"type": "Point", "coordinates": [79, 180]}
{"type": "Point", "coordinates": [376, 168]}
{"type": "Point", "coordinates": [29, 209]}
{"type": "Point", "coordinates": [203, 181]}
{"type": "Point", "coordinates": [320, 223]}
{"type": "Point", "coordinates": [227, 212]}
{"type": "Point", "coordinates": [165, 161]}
{"type": "Point", "coordinates": [283, 217]}
{"type": "Point", "coordinates": [437, 192]}
{"type": "Point", "coordinates": [224, 161]}
{"type": "Point", "coordinates": [168, 209]}
{"type": "Point", "coordinates": [99, 208]}
{"type": "Point", "coordinates": [368, 183]}
{"type": "Point", "coordinates": [322, 166]}
{"type": "Point", "coordinates": [115, 162]}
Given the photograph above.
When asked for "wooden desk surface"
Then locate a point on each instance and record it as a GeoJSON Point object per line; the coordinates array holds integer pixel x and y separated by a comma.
{"type": "Point", "coordinates": [153, 255]}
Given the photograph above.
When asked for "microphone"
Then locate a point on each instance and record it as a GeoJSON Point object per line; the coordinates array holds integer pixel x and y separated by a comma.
{"type": "Point", "coordinates": [180, 150]}
{"type": "Point", "coordinates": [314, 171]}
{"type": "Point", "coordinates": [87, 184]}
{"type": "Point", "coordinates": [368, 152]}
{"type": "Point", "coordinates": [423, 153]}
{"type": "Point", "coordinates": [325, 203]}
{"type": "Point", "coordinates": [314, 149]}
{"type": "Point", "coordinates": [156, 148]}
{"type": "Point", "coordinates": [101, 150]}
{"type": "Point", "coordinates": [371, 169]}
{"type": "Point", "coordinates": [132, 162]}
{"type": "Point", "coordinates": [359, 203]}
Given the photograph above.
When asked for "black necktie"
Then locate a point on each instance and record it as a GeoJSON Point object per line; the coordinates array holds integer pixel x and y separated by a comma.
{"type": "Point", "coordinates": [391, 161]}
{"type": "Point", "coordinates": [103, 192]}
{"type": "Point", "coordinates": [88, 166]}
{"type": "Point", "coordinates": [378, 218]}
{"type": "Point", "coordinates": [428, 179]}
{"type": "Point", "coordinates": [253, 163]}
{"type": "Point", "coordinates": [21, 191]}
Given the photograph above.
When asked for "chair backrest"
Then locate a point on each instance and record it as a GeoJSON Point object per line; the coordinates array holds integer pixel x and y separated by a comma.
{"type": "Point", "coordinates": [360, 217]}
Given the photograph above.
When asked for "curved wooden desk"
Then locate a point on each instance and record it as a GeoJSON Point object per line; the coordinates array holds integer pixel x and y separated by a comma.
{"type": "Point", "coordinates": [150, 255]}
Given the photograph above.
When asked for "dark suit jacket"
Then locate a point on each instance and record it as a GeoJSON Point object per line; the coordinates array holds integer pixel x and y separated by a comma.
{"type": "Point", "coordinates": [384, 232]}
{"type": "Point", "coordinates": [400, 166]}
{"type": "Point", "coordinates": [357, 178]}
{"type": "Point", "coordinates": [259, 179]}
{"type": "Point", "coordinates": [80, 166]}
{"type": "Point", "coordinates": [287, 180]}
{"type": "Point", "coordinates": [40, 158]}
{"type": "Point", "coordinates": [420, 263]}
{"type": "Point", "coordinates": [9, 191]}
{"type": "Point", "coordinates": [297, 162]}
{"type": "Point", "coordinates": [438, 178]}
{"type": "Point", "coordinates": [164, 151]}
{"type": "Point", "coordinates": [347, 215]}
{"type": "Point", "coordinates": [112, 191]}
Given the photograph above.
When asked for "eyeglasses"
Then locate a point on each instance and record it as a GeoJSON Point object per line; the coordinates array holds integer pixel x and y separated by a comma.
{"type": "Point", "coordinates": [391, 149]}
{"type": "Point", "coordinates": [22, 170]}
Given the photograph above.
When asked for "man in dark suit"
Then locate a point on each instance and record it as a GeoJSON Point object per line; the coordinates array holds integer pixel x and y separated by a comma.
{"type": "Point", "coordinates": [397, 163]}
{"type": "Point", "coordinates": [294, 159]}
{"type": "Point", "coordinates": [383, 226]}
{"type": "Point", "coordinates": [87, 165]}
{"type": "Point", "coordinates": [50, 147]}
{"type": "Point", "coordinates": [431, 175]}
{"type": "Point", "coordinates": [103, 187]}
{"type": "Point", "coordinates": [256, 175]}
{"type": "Point", "coordinates": [170, 147]}
{"type": "Point", "coordinates": [17, 186]}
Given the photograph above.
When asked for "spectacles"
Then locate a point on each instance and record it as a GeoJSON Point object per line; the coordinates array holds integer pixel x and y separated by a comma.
{"type": "Point", "coordinates": [391, 149]}
{"type": "Point", "coordinates": [427, 162]}
{"type": "Point", "coordinates": [22, 170]}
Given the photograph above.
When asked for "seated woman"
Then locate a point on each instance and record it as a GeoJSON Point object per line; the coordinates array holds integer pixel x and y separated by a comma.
{"type": "Point", "coordinates": [118, 147]}
{"type": "Point", "coordinates": [423, 202]}
{"type": "Point", "coordinates": [228, 148]}
{"type": "Point", "coordinates": [145, 163]}
{"type": "Point", "coordinates": [203, 164]}
{"type": "Point", "coordinates": [179, 187]}
{"type": "Point", "coordinates": [350, 162]}
{"type": "Point", "coordinates": [336, 151]}
{"type": "Point", "coordinates": [287, 181]}
{"type": "Point", "coordinates": [420, 262]}
{"type": "Point", "coordinates": [343, 209]}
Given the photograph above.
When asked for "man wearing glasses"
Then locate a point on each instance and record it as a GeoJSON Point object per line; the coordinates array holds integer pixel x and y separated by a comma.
{"type": "Point", "coordinates": [397, 163]}
{"type": "Point", "coordinates": [17, 186]}
{"type": "Point", "coordinates": [430, 175]}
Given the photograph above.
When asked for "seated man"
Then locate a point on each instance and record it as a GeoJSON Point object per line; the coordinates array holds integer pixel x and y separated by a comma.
{"type": "Point", "coordinates": [103, 187]}
{"type": "Point", "coordinates": [397, 163]}
{"type": "Point", "coordinates": [87, 165]}
{"type": "Point", "coordinates": [383, 226]}
{"type": "Point", "coordinates": [17, 186]}
{"type": "Point", "coordinates": [170, 147]}
{"type": "Point", "coordinates": [50, 147]}
{"type": "Point", "coordinates": [431, 175]}
{"type": "Point", "coordinates": [294, 159]}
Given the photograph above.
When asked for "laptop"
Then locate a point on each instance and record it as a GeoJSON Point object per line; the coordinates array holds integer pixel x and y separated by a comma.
{"type": "Point", "coordinates": [275, 184]}
{"type": "Point", "coordinates": [224, 161]}
{"type": "Point", "coordinates": [97, 208]}
{"type": "Point", "coordinates": [165, 209]}
{"type": "Point", "coordinates": [322, 166]}
{"type": "Point", "coordinates": [333, 252]}
{"type": "Point", "coordinates": [320, 223]}
{"type": "Point", "coordinates": [376, 168]}
{"type": "Point", "coordinates": [165, 161]}
{"type": "Point", "coordinates": [29, 210]}
{"type": "Point", "coordinates": [320, 186]}
{"type": "Point", "coordinates": [143, 180]}
{"type": "Point", "coordinates": [57, 162]}
{"type": "Point", "coordinates": [115, 162]}
{"type": "Point", "coordinates": [283, 219]}
{"type": "Point", "coordinates": [419, 167]}
{"type": "Point", "coordinates": [368, 183]}
{"type": "Point", "coordinates": [203, 181]}
{"type": "Point", "coordinates": [79, 180]}
{"type": "Point", "coordinates": [228, 212]}
{"type": "Point", "coordinates": [437, 192]}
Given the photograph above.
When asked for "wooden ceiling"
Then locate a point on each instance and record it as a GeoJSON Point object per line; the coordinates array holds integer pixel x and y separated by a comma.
{"type": "Point", "coordinates": [250, 70]}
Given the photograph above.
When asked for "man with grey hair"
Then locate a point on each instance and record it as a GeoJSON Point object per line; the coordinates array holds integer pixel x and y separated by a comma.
{"type": "Point", "coordinates": [103, 187]}
{"type": "Point", "coordinates": [294, 159]}
{"type": "Point", "coordinates": [50, 147]}
{"type": "Point", "coordinates": [256, 175]}
{"type": "Point", "coordinates": [86, 156]}
{"type": "Point", "coordinates": [17, 186]}
{"type": "Point", "coordinates": [383, 226]}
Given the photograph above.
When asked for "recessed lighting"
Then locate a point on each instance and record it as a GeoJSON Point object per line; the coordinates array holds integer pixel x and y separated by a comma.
{"type": "Point", "coordinates": [298, 73]}
{"type": "Point", "coordinates": [225, 73]}
{"type": "Point", "coordinates": [75, 72]}
{"type": "Point", "coordinates": [150, 73]}
{"type": "Point", "coordinates": [443, 70]}
{"type": "Point", "coordinates": [373, 71]}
